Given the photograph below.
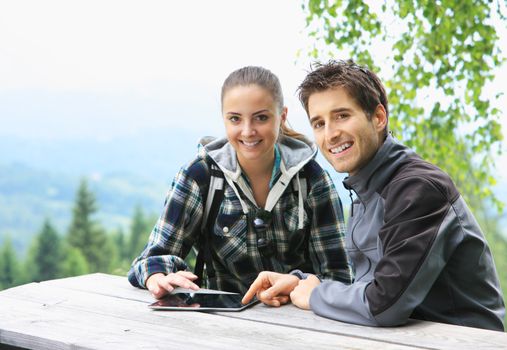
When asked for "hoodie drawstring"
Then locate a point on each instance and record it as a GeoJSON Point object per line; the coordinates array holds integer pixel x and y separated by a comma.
{"type": "Point", "coordinates": [301, 209]}
{"type": "Point", "coordinates": [244, 206]}
{"type": "Point", "coordinates": [351, 203]}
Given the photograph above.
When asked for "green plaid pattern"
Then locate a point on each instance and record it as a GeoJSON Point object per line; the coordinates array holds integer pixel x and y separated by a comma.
{"type": "Point", "coordinates": [236, 258]}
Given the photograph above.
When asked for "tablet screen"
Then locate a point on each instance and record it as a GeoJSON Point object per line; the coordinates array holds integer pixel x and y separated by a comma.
{"type": "Point", "coordinates": [201, 302]}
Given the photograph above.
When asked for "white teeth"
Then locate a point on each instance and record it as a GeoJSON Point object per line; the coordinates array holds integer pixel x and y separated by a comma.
{"type": "Point", "coordinates": [341, 148]}
{"type": "Point", "coordinates": [250, 144]}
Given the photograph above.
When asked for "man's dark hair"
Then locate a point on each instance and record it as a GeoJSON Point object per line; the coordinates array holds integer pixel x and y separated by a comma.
{"type": "Point", "coordinates": [360, 83]}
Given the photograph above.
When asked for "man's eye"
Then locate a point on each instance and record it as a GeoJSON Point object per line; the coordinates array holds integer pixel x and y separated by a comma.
{"type": "Point", "coordinates": [342, 116]}
{"type": "Point", "coordinates": [318, 125]}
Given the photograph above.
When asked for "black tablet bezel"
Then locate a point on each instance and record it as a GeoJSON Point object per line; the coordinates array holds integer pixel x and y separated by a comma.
{"type": "Point", "coordinates": [213, 302]}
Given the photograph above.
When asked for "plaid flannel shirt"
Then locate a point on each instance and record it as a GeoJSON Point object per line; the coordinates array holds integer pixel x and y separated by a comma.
{"type": "Point", "coordinates": [318, 248]}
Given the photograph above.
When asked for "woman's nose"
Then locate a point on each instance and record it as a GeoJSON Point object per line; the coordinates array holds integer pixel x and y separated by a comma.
{"type": "Point", "coordinates": [248, 129]}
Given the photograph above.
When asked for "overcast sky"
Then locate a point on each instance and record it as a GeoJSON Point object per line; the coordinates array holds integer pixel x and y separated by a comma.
{"type": "Point", "coordinates": [100, 69]}
{"type": "Point", "coordinates": [125, 65]}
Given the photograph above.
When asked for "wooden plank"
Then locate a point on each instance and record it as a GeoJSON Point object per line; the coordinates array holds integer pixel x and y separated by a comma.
{"type": "Point", "coordinates": [48, 296]}
{"type": "Point", "coordinates": [111, 285]}
{"type": "Point", "coordinates": [415, 333]}
{"type": "Point", "coordinates": [47, 317]}
{"type": "Point", "coordinates": [100, 283]}
{"type": "Point", "coordinates": [63, 328]}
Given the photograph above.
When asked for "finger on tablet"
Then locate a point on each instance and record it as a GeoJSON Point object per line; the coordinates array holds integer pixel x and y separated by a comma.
{"type": "Point", "coordinates": [254, 288]}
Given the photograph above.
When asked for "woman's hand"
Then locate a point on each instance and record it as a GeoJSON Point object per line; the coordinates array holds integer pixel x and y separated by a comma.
{"type": "Point", "coordinates": [160, 284]}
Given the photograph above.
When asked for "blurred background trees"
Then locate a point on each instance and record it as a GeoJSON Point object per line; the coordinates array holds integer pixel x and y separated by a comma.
{"type": "Point", "coordinates": [85, 248]}
{"type": "Point", "coordinates": [438, 60]}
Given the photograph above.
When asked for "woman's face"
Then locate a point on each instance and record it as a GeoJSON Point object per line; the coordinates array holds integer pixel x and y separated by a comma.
{"type": "Point", "coordinates": [252, 123]}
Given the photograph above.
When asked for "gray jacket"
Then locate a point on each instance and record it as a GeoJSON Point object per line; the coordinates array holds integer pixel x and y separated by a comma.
{"type": "Point", "coordinates": [417, 250]}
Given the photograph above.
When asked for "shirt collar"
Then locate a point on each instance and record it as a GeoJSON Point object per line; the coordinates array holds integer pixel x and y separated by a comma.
{"type": "Point", "coordinates": [276, 167]}
{"type": "Point", "coordinates": [275, 174]}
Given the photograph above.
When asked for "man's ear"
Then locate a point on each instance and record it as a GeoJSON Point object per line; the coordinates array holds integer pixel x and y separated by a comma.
{"type": "Point", "coordinates": [379, 118]}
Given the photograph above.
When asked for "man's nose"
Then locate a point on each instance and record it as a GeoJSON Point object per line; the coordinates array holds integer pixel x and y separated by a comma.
{"type": "Point", "coordinates": [332, 133]}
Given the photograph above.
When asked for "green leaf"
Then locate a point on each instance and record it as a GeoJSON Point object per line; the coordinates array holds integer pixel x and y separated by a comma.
{"type": "Point", "coordinates": [441, 54]}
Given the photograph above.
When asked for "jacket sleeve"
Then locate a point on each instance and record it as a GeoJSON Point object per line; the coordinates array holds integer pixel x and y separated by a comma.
{"type": "Point", "coordinates": [174, 233]}
{"type": "Point", "coordinates": [327, 232]}
{"type": "Point", "coordinates": [415, 244]}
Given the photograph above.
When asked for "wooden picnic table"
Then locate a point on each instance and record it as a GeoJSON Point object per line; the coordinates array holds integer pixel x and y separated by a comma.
{"type": "Point", "coordinates": [100, 311]}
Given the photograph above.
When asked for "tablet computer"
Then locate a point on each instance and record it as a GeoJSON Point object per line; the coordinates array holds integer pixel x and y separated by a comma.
{"type": "Point", "coordinates": [201, 302]}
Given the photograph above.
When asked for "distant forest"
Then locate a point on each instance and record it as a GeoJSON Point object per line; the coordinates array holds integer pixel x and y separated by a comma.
{"type": "Point", "coordinates": [86, 246]}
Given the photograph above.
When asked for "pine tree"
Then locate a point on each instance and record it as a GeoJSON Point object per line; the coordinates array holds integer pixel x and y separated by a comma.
{"type": "Point", "coordinates": [9, 269]}
{"type": "Point", "coordinates": [120, 243]}
{"type": "Point", "coordinates": [48, 255]}
{"type": "Point", "coordinates": [75, 263]}
{"type": "Point", "coordinates": [86, 235]}
{"type": "Point", "coordinates": [138, 234]}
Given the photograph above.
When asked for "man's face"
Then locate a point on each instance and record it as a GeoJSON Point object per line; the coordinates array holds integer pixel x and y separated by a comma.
{"type": "Point", "coordinates": [342, 130]}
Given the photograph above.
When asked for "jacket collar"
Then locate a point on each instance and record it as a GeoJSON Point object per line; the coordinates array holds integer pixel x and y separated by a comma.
{"type": "Point", "coordinates": [379, 169]}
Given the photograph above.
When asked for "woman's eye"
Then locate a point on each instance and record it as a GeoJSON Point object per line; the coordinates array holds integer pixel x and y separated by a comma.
{"type": "Point", "coordinates": [234, 119]}
{"type": "Point", "coordinates": [262, 117]}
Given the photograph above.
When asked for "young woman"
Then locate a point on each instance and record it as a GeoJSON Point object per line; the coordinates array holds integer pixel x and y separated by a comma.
{"type": "Point", "coordinates": [279, 210]}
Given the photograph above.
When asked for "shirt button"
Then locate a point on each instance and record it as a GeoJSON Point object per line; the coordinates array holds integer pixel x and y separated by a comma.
{"type": "Point", "coordinates": [225, 229]}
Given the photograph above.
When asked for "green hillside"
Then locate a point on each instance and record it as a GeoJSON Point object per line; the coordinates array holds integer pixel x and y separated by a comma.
{"type": "Point", "coordinates": [28, 196]}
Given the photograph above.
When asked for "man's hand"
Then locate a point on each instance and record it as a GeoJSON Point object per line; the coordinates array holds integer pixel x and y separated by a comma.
{"type": "Point", "coordinates": [159, 284]}
{"type": "Point", "coordinates": [271, 288]}
{"type": "Point", "coordinates": [300, 296]}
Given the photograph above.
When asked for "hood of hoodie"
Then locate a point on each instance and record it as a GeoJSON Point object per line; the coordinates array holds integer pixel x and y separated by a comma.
{"type": "Point", "coordinates": [295, 154]}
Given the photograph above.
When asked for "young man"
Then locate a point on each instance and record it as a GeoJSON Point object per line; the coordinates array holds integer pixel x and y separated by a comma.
{"type": "Point", "coordinates": [416, 248]}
